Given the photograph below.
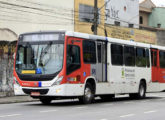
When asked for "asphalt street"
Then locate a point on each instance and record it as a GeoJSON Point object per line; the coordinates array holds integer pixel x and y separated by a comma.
{"type": "Point", "coordinates": [120, 108]}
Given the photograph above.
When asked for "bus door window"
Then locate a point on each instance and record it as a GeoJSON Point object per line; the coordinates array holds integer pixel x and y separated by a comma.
{"type": "Point", "coordinates": [73, 58]}
{"type": "Point", "coordinates": [155, 76]}
{"type": "Point", "coordinates": [154, 58]}
{"type": "Point", "coordinates": [101, 61]}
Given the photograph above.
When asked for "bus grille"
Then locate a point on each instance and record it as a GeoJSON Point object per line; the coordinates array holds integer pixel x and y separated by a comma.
{"type": "Point", "coordinates": [41, 91]}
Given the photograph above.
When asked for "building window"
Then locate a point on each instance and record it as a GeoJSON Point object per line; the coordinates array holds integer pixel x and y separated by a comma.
{"type": "Point", "coordinates": [141, 20]}
{"type": "Point", "coordinates": [86, 13]}
{"type": "Point", "coordinates": [117, 23]}
{"type": "Point", "coordinates": [131, 25]}
{"type": "Point", "coordinates": [159, 25]}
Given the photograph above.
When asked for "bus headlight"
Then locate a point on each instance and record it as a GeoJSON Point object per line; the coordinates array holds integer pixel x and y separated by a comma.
{"type": "Point", "coordinates": [58, 80]}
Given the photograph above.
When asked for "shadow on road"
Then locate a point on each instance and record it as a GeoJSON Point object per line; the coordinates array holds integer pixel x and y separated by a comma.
{"type": "Point", "coordinates": [75, 102]}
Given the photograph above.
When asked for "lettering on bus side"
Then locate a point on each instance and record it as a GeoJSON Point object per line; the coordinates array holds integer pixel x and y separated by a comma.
{"type": "Point", "coordinates": [129, 73]}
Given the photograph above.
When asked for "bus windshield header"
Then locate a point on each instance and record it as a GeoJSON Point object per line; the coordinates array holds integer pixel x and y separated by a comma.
{"type": "Point", "coordinates": [42, 37]}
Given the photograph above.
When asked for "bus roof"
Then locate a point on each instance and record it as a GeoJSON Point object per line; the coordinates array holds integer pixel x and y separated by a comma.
{"type": "Point", "coordinates": [96, 37]}
{"type": "Point", "coordinates": [112, 40]}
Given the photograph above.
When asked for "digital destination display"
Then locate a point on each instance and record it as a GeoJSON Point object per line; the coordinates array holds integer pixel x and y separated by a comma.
{"type": "Point", "coordinates": [41, 37]}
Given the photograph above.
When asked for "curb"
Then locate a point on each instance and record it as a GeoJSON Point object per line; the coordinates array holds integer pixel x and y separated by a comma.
{"type": "Point", "coordinates": [16, 99]}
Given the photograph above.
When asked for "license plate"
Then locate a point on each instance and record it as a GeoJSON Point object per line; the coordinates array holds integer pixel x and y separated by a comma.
{"type": "Point", "coordinates": [35, 94]}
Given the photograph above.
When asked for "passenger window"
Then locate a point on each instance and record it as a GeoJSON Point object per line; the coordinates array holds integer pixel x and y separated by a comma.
{"type": "Point", "coordinates": [116, 54]}
{"type": "Point", "coordinates": [140, 57]}
{"type": "Point", "coordinates": [147, 58]}
{"type": "Point", "coordinates": [162, 59]}
{"type": "Point", "coordinates": [73, 58]}
{"type": "Point", "coordinates": [89, 52]}
{"type": "Point", "coordinates": [129, 56]}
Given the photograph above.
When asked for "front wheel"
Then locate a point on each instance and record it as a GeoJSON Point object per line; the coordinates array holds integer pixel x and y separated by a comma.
{"type": "Point", "coordinates": [88, 96]}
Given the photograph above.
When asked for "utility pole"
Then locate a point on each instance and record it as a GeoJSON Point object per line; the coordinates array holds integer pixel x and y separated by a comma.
{"type": "Point", "coordinates": [95, 22]}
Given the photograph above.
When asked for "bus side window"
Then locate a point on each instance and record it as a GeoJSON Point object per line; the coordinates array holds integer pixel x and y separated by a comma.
{"type": "Point", "coordinates": [147, 58]}
{"type": "Point", "coordinates": [140, 57]}
{"type": "Point", "coordinates": [73, 58]}
{"type": "Point", "coordinates": [162, 59]}
{"type": "Point", "coordinates": [89, 52]}
{"type": "Point", "coordinates": [116, 54]}
{"type": "Point", "coordinates": [129, 56]}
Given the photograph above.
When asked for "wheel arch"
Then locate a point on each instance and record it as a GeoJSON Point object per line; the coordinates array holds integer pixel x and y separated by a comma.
{"type": "Point", "coordinates": [92, 81]}
{"type": "Point", "coordinates": [143, 81]}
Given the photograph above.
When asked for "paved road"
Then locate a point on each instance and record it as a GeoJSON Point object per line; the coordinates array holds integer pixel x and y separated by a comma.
{"type": "Point", "coordinates": [120, 108]}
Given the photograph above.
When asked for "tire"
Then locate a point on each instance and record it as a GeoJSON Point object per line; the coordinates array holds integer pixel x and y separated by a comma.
{"type": "Point", "coordinates": [45, 101]}
{"type": "Point", "coordinates": [141, 92]}
{"type": "Point", "coordinates": [88, 96]}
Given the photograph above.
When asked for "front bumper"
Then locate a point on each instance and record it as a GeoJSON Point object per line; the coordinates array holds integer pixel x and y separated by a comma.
{"type": "Point", "coordinates": [58, 90]}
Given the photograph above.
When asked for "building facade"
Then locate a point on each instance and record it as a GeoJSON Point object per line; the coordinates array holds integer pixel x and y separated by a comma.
{"type": "Point", "coordinates": [157, 17]}
{"type": "Point", "coordinates": [26, 16]}
{"type": "Point", "coordinates": [122, 13]}
{"type": "Point", "coordinates": [145, 9]}
{"type": "Point", "coordinates": [118, 27]}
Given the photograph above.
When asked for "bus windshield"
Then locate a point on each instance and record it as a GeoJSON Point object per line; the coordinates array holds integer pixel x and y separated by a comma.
{"type": "Point", "coordinates": [39, 58]}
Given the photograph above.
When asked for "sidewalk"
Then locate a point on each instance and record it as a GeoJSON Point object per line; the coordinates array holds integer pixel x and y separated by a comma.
{"type": "Point", "coordinates": [16, 99]}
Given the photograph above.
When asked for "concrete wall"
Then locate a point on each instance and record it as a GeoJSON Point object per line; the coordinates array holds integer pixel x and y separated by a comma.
{"type": "Point", "coordinates": [37, 15]}
{"type": "Point", "coordinates": [157, 17]}
{"type": "Point", "coordinates": [124, 11]}
{"type": "Point", "coordinates": [8, 40]}
{"type": "Point", "coordinates": [132, 34]}
{"type": "Point", "coordinates": [161, 37]}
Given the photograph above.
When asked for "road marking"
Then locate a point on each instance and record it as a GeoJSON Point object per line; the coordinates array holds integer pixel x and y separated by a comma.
{"type": "Point", "coordinates": [129, 115]}
{"type": "Point", "coordinates": [103, 119]}
{"type": "Point", "coordinates": [80, 107]}
{"type": "Point", "coordinates": [150, 111]}
{"type": "Point", "coordinates": [12, 115]}
{"type": "Point", "coordinates": [46, 111]}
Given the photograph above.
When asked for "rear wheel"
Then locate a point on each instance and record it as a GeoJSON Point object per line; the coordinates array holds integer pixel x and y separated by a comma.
{"type": "Point", "coordinates": [88, 96]}
{"type": "Point", "coordinates": [45, 101]}
{"type": "Point", "coordinates": [141, 93]}
{"type": "Point", "coordinates": [142, 90]}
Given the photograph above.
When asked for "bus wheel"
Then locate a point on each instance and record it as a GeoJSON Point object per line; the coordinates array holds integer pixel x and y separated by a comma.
{"type": "Point", "coordinates": [142, 90]}
{"type": "Point", "coordinates": [141, 93]}
{"type": "Point", "coordinates": [88, 96]}
{"type": "Point", "coordinates": [45, 101]}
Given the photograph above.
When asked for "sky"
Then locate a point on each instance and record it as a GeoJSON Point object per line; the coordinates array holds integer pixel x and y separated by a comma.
{"type": "Point", "coordinates": [159, 3]}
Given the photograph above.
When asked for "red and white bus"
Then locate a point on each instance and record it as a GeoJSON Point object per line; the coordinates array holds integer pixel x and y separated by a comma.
{"type": "Point", "coordinates": [63, 64]}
